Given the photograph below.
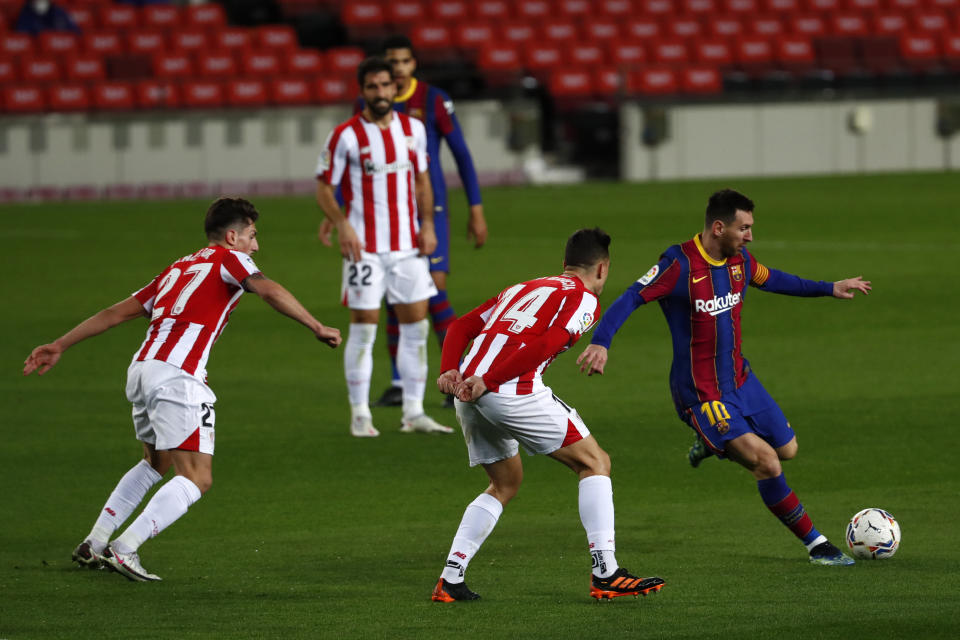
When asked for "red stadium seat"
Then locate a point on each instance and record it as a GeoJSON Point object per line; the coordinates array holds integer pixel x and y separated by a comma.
{"type": "Point", "coordinates": [58, 43]}
{"type": "Point", "coordinates": [951, 50]}
{"type": "Point", "coordinates": [23, 99]}
{"type": "Point", "coordinates": [363, 14]}
{"type": "Point", "coordinates": [656, 7]}
{"type": "Point", "coordinates": [653, 82]}
{"type": "Point", "coordinates": [246, 93]}
{"type": "Point", "coordinates": [683, 27]}
{"type": "Point", "coordinates": [931, 21]}
{"type": "Point", "coordinates": [205, 15]}
{"type": "Point", "coordinates": [889, 23]}
{"type": "Point", "coordinates": [616, 9]}
{"type": "Point", "coordinates": [753, 54]}
{"type": "Point", "coordinates": [533, 10]}
{"type": "Point", "coordinates": [642, 28]}
{"type": "Point", "coordinates": [276, 36]}
{"type": "Point", "coordinates": [69, 97]}
{"type": "Point", "coordinates": [862, 5]}
{"type": "Point", "coordinates": [216, 64]}
{"type": "Point", "coordinates": [725, 26]}
{"type": "Point", "coordinates": [157, 94]}
{"type": "Point", "coordinates": [608, 81]}
{"type": "Point", "coordinates": [499, 57]}
{"type": "Point", "coordinates": [83, 17]}
{"type": "Point", "coordinates": [448, 10]}
{"type": "Point", "coordinates": [202, 94]}
{"type": "Point", "coordinates": [517, 32]}
{"type": "Point", "coordinates": [85, 67]}
{"type": "Point", "coordinates": [919, 49]}
{"type": "Point", "coordinates": [578, 9]}
{"type": "Point", "coordinates": [473, 35]}
{"type": "Point", "coordinates": [542, 56]}
{"type": "Point", "coordinates": [824, 6]}
{"type": "Point", "coordinates": [16, 44]}
{"type": "Point", "coordinates": [700, 7]}
{"type": "Point", "coordinates": [304, 61]}
{"type": "Point", "coordinates": [331, 89]}
{"type": "Point", "coordinates": [104, 43]}
{"type": "Point", "coordinates": [669, 51]}
{"type": "Point", "coordinates": [571, 83]}
{"type": "Point", "coordinates": [701, 80]}
{"type": "Point", "coordinates": [172, 65]}
{"type": "Point", "coordinates": [431, 35]}
{"type": "Point", "coordinates": [602, 30]}
{"type": "Point", "coordinates": [810, 24]}
{"type": "Point", "coordinates": [586, 55]}
{"type": "Point", "coordinates": [259, 63]}
{"type": "Point", "coordinates": [949, 5]}
{"type": "Point", "coordinates": [795, 53]}
{"type": "Point", "coordinates": [715, 52]}
{"type": "Point", "coordinates": [840, 55]}
{"type": "Point", "coordinates": [627, 53]}
{"type": "Point", "coordinates": [160, 16]}
{"type": "Point", "coordinates": [344, 60]}
{"type": "Point", "coordinates": [743, 7]}
{"type": "Point", "coordinates": [146, 41]}
{"type": "Point", "coordinates": [39, 69]}
{"type": "Point", "coordinates": [559, 30]}
{"type": "Point", "coordinates": [118, 16]}
{"type": "Point", "coordinates": [233, 38]}
{"type": "Point", "coordinates": [8, 73]}
{"type": "Point", "coordinates": [904, 4]}
{"type": "Point", "coordinates": [404, 12]}
{"type": "Point", "coordinates": [186, 40]}
{"type": "Point", "coordinates": [491, 9]}
{"type": "Point", "coordinates": [765, 25]}
{"type": "Point", "coordinates": [289, 91]}
{"type": "Point", "coordinates": [112, 96]}
{"type": "Point", "coordinates": [849, 25]}
{"type": "Point", "coordinates": [782, 6]}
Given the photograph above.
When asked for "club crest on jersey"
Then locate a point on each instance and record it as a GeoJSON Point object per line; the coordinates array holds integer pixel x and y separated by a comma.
{"type": "Point", "coordinates": [416, 113]}
{"type": "Point", "coordinates": [736, 272]}
{"type": "Point", "coordinates": [411, 143]}
{"type": "Point", "coordinates": [324, 160]}
{"type": "Point", "coordinates": [650, 275]}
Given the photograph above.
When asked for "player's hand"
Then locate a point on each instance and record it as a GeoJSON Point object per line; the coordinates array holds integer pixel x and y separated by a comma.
{"type": "Point", "coordinates": [593, 359]}
{"type": "Point", "coordinates": [329, 335]}
{"type": "Point", "coordinates": [471, 389]}
{"type": "Point", "coordinates": [350, 245]}
{"type": "Point", "coordinates": [427, 238]}
{"type": "Point", "coordinates": [42, 358]}
{"type": "Point", "coordinates": [325, 232]}
{"type": "Point", "coordinates": [844, 289]}
{"type": "Point", "coordinates": [477, 226]}
{"type": "Point", "coordinates": [449, 381]}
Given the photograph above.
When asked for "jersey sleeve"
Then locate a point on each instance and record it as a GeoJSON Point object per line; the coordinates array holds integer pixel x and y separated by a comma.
{"type": "Point", "coordinates": [776, 281]}
{"type": "Point", "coordinates": [148, 294]}
{"type": "Point", "coordinates": [449, 127]}
{"type": "Point", "coordinates": [236, 267]}
{"type": "Point", "coordinates": [656, 283]}
{"type": "Point", "coordinates": [333, 159]}
{"type": "Point", "coordinates": [577, 314]}
{"type": "Point", "coordinates": [461, 332]}
{"type": "Point", "coordinates": [421, 160]}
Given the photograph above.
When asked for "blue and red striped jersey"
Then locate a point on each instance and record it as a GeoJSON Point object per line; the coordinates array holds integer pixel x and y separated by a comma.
{"type": "Point", "coordinates": [701, 299]}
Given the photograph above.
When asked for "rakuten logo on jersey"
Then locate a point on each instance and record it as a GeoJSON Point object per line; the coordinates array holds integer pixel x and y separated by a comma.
{"type": "Point", "coordinates": [718, 305]}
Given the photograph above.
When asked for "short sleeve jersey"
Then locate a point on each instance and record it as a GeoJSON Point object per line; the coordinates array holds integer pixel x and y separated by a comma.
{"type": "Point", "coordinates": [190, 303]}
{"type": "Point", "coordinates": [523, 312]}
{"type": "Point", "coordinates": [376, 169]}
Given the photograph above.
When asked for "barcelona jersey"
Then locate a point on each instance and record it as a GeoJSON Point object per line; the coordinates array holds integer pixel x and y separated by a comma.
{"type": "Point", "coordinates": [702, 299]}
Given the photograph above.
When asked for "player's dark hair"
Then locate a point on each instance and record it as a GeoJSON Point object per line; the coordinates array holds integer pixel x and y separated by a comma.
{"type": "Point", "coordinates": [587, 247]}
{"type": "Point", "coordinates": [228, 212]}
{"type": "Point", "coordinates": [724, 204]}
{"type": "Point", "coordinates": [373, 64]}
{"type": "Point", "coordinates": [398, 41]}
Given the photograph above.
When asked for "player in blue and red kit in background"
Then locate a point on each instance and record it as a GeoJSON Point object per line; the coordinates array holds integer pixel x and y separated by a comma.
{"type": "Point", "coordinates": [701, 286]}
{"type": "Point", "coordinates": [435, 108]}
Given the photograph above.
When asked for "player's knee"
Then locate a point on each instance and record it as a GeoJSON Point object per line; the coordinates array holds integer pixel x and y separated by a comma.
{"type": "Point", "coordinates": [599, 463]}
{"type": "Point", "coordinates": [788, 451]}
{"type": "Point", "coordinates": [504, 491]}
{"type": "Point", "coordinates": [768, 466]}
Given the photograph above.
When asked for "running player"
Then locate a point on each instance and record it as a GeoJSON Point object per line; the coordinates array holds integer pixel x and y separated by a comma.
{"type": "Point", "coordinates": [379, 157]}
{"type": "Point", "coordinates": [188, 304]}
{"type": "Point", "coordinates": [434, 107]}
{"type": "Point", "coordinates": [502, 401]}
{"type": "Point", "coordinates": [701, 286]}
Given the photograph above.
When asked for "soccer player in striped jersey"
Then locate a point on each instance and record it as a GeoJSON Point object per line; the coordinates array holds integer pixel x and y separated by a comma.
{"type": "Point", "coordinates": [502, 403]}
{"type": "Point", "coordinates": [188, 305]}
{"type": "Point", "coordinates": [379, 159]}
{"type": "Point", "coordinates": [701, 286]}
{"type": "Point", "coordinates": [434, 108]}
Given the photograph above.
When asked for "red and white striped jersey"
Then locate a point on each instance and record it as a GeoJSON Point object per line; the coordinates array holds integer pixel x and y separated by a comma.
{"type": "Point", "coordinates": [376, 169]}
{"type": "Point", "coordinates": [523, 312]}
{"type": "Point", "coordinates": [190, 303]}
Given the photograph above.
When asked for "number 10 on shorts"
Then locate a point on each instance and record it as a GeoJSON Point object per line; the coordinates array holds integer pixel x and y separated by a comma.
{"type": "Point", "coordinates": [716, 413]}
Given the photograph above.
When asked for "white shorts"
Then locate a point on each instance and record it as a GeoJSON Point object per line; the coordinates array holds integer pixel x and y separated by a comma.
{"type": "Point", "coordinates": [495, 424]}
{"type": "Point", "coordinates": [403, 276]}
{"type": "Point", "coordinates": [171, 408]}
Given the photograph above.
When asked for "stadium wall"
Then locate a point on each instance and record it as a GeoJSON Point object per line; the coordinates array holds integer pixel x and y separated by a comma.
{"type": "Point", "coordinates": [705, 141]}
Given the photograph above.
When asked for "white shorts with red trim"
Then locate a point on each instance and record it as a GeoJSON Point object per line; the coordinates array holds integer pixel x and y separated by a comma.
{"type": "Point", "coordinates": [402, 276]}
{"type": "Point", "coordinates": [171, 408]}
{"type": "Point", "coordinates": [496, 424]}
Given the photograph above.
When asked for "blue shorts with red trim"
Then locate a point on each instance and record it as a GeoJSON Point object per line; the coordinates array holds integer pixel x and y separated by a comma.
{"type": "Point", "coordinates": [440, 259]}
{"type": "Point", "coordinates": [749, 409]}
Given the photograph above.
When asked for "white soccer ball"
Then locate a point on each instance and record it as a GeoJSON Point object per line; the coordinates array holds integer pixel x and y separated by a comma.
{"type": "Point", "coordinates": [873, 533]}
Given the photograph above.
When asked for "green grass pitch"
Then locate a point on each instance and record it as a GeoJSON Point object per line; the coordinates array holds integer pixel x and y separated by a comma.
{"type": "Point", "coordinates": [311, 533]}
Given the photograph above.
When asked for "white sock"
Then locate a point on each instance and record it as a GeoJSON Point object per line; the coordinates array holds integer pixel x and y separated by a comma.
{"type": "Point", "coordinates": [165, 507]}
{"type": "Point", "coordinates": [478, 521]}
{"type": "Point", "coordinates": [358, 365]}
{"type": "Point", "coordinates": [596, 514]}
{"type": "Point", "coordinates": [128, 493]}
{"type": "Point", "coordinates": [412, 365]}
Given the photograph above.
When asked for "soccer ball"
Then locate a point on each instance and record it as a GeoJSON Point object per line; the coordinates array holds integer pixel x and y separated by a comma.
{"type": "Point", "coordinates": [873, 533]}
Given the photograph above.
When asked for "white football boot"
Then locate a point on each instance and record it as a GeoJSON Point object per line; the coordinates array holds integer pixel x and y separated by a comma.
{"type": "Point", "coordinates": [362, 427]}
{"type": "Point", "coordinates": [423, 424]}
{"type": "Point", "coordinates": [127, 565]}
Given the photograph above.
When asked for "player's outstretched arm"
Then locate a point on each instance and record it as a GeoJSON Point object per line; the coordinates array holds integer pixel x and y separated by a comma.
{"type": "Point", "coordinates": [274, 294]}
{"type": "Point", "coordinates": [477, 226]}
{"type": "Point", "coordinates": [593, 359]}
{"type": "Point", "coordinates": [844, 289]}
{"type": "Point", "coordinates": [47, 355]}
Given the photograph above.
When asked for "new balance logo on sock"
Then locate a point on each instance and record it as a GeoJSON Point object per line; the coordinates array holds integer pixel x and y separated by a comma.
{"type": "Point", "coordinates": [598, 562]}
{"type": "Point", "coordinates": [463, 556]}
{"type": "Point", "coordinates": [110, 511]}
{"type": "Point", "coordinates": [455, 565]}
